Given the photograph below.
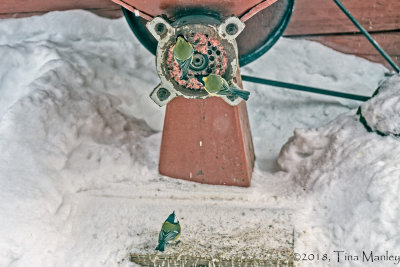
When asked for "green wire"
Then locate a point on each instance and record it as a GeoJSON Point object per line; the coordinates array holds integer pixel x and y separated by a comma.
{"type": "Point", "coordinates": [299, 87]}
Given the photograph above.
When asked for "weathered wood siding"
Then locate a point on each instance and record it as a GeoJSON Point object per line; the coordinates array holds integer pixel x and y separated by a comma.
{"type": "Point", "coordinates": [323, 21]}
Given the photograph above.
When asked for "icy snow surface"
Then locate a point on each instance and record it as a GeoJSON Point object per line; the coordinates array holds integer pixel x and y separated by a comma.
{"type": "Point", "coordinates": [79, 142]}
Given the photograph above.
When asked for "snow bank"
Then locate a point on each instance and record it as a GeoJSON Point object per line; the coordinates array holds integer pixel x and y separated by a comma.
{"type": "Point", "coordinates": [351, 179]}
{"type": "Point", "coordinates": [69, 88]}
{"type": "Point", "coordinates": [90, 52]}
{"type": "Point", "coordinates": [382, 112]}
{"type": "Point", "coordinates": [79, 142]}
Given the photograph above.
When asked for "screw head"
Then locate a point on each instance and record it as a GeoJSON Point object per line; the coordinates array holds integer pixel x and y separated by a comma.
{"type": "Point", "coordinates": [199, 62]}
{"type": "Point", "coordinates": [160, 28]}
{"type": "Point", "coordinates": [163, 94]}
{"type": "Point", "coordinates": [231, 29]}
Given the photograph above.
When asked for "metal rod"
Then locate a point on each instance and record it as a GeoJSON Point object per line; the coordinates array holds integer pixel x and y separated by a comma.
{"type": "Point", "coordinates": [368, 36]}
{"type": "Point", "coordinates": [299, 87]}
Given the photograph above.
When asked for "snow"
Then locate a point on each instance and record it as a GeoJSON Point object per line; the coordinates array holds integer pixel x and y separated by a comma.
{"type": "Point", "coordinates": [80, 139]}
{"type": "Point", "coordinates": [354, 207]}
{"type": "Point", "coordinates": [382, 112]}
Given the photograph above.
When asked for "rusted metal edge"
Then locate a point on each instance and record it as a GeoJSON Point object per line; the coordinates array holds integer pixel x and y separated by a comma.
{"type": "Point", "coordinates": [134, 10]}
{"type": "Point", "coordinates": [255, 9]}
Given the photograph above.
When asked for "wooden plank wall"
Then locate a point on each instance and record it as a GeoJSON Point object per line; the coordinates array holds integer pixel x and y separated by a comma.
{"type": "Point", "coordinates": [318, 20]}
{"type": "Point", "coordinates": [17, 9]}
{"type": "Point", "coordinates": [322, 21]}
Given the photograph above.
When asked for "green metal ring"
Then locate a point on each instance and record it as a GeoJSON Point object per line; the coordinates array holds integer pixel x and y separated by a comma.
{"type": "Point", "coordinates": [137, 25]}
